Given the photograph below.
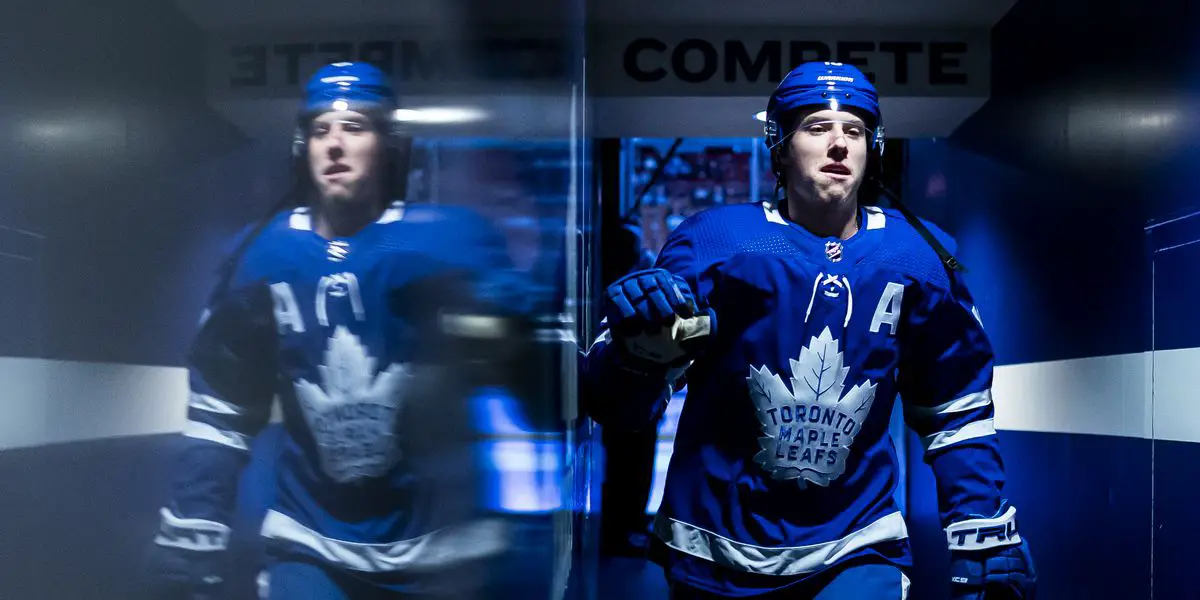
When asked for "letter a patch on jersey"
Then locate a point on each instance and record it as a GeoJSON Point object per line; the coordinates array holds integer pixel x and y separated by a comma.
{"type": "Point", "coordinates": [808, 430]}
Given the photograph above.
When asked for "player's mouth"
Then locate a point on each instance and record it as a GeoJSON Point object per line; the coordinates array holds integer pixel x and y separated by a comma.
{"type": "Point", "coordinates": [837, 169]}
{"type": "Point", "coordinates": [336, 169]}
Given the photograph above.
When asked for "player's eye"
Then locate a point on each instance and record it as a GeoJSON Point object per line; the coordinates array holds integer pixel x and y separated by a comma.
{"type": "Point", "coordinates": [855, 132]}
{"type": "Point", "coordinates": [817, 128]}
{"type": "Point", "coordinates": [354, 127]}
{"type": "Point", "coordinates": [318, 130]}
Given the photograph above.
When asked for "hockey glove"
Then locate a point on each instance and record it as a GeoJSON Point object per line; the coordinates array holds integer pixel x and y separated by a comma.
{"type": "Point", "coordinates": [989, 560]}
{"type": "Point", "coordinates": [654, 316]}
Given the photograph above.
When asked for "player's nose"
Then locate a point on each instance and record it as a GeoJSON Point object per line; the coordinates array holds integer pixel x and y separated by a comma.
{"type": "Point", "coordinates": [333, 139]}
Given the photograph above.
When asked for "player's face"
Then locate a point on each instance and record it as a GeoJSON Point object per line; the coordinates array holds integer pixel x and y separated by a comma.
{"type": "Point", "coordinates": [827, 156]}
{"type": "Point", "coordinates": [343, 153]}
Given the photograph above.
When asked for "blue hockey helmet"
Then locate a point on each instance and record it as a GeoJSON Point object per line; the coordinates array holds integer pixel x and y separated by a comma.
{"type": "Point", "coordinates": [817, 85]}
{"type": "Point", "coordinates": [355, 86]}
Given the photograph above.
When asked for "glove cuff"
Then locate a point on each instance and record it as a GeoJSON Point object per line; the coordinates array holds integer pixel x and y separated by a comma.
{"type": "Point", "coordinates": [199, 535]}
{"type": "Point", "coordinates": [983, 534]}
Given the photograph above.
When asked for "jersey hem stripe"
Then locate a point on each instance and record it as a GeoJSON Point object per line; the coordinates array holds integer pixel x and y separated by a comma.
{"type": "Point", "coordinates": [437, 549]}
{"type": "Point", "coordinates": [782, 561]}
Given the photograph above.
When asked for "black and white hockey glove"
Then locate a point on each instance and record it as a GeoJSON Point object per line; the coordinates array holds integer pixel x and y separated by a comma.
{"type": "Point", "coordinates": [989, 560]}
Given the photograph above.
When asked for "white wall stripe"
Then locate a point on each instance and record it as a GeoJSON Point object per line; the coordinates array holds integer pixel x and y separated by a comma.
{"type": "Point", "coordinates": [1139, 395]}
{"type": "Point", "coordinates": [1102, 395]}
{"type": "Point", "coordinates": [1176, 389]}
{"type": "Point", "coordinates": [48, 401]}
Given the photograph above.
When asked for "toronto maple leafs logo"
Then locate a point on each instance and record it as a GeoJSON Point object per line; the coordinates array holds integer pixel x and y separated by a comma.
{"type": "Point", "coordinates": [353, 413]}
{"type": "Point", "coordinates": [808, 430]}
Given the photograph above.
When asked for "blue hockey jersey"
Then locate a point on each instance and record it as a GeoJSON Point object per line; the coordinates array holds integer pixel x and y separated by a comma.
{"type": "Point", "coordinates": [783, 464]}
{"type": "Point", "coordinates": [368, 477]}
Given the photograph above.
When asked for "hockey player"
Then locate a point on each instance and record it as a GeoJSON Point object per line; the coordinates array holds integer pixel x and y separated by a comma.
{"type": "Point", "coordinates": [795, 325]}
{"type": "Point", "coordinates": [330, 308]}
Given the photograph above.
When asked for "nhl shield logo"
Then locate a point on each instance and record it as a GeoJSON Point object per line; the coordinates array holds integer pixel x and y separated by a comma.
{"type": "Point", "coordinates": [833, 251]}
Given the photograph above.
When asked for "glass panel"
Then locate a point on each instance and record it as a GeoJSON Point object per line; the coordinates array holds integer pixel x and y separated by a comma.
{"type": "Point", "coordinates": [1174, 417]}
{"type": "Point", "coordinates": [160, 428]}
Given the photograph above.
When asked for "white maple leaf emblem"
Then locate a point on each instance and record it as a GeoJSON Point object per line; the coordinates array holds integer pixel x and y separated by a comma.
{"type": "Point", "coordinates": [808, 429]}
{"type": "Point", "coordinates": [353, 414]}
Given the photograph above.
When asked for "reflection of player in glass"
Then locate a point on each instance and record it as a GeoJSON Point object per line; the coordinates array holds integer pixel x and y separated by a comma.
{"type": "Point", "coordinates": [796, 324]}
{"type": "Point", "coordinates": [313, 311]}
